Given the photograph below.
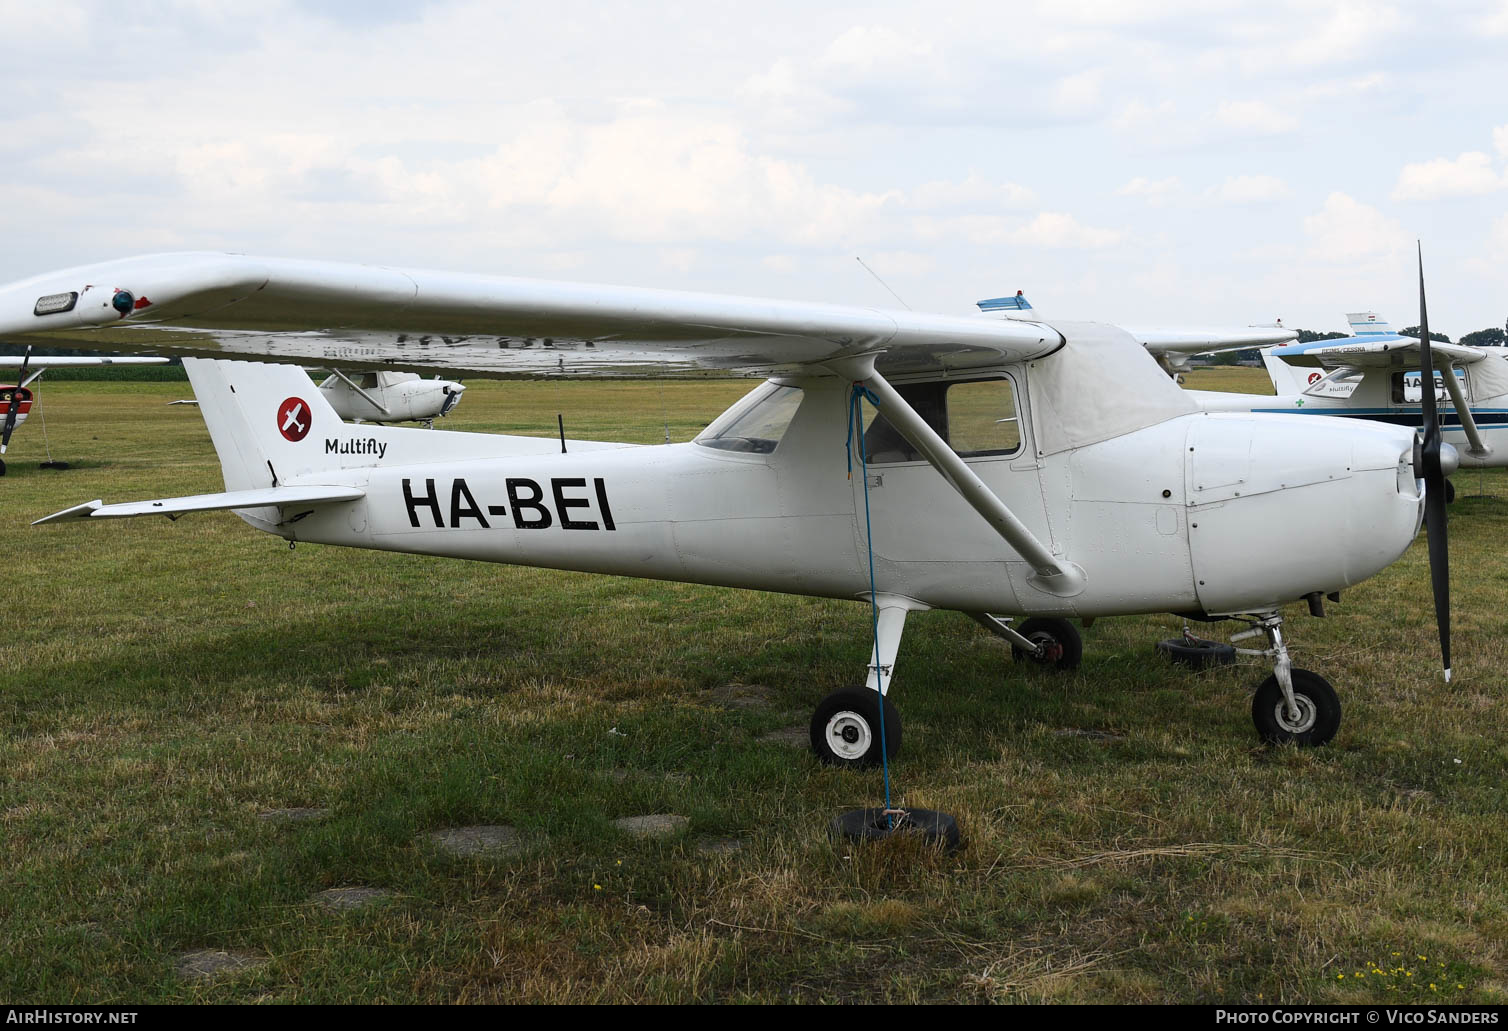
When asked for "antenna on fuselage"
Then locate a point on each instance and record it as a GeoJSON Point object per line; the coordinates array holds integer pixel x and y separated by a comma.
{"type": "Point", "coordinates": [886, 285]}
{"type": "Point", "coordinates": [560, 422]}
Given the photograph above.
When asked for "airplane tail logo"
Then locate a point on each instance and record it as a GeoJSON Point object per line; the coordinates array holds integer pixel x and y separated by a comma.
{"type": "Point", "coordinates": [294, 419]}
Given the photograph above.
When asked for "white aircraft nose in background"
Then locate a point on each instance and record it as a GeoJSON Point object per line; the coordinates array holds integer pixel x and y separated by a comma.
{"type": "Point", "coordinates": [391, 396]}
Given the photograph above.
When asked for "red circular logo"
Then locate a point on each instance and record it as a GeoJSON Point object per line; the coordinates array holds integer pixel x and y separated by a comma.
{"type": "Point", "coordinates": [293, 419]}
{"type": "Point", "coordinates": [1315, 377]}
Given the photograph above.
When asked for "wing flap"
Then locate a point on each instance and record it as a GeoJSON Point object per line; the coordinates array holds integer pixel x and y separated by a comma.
{"type": "Point", "coordinates": [174, 507]}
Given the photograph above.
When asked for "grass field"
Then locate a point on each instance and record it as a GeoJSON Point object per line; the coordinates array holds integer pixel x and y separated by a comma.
{"type": "Point", "coordinates": [165, 687]}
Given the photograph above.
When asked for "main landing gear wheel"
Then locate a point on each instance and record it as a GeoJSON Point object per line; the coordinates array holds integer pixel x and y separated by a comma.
{"type": "Point", "coordinates": [1059, 646]}
{"type": "Point", "coordinates": [1196, 652]}
{"type": "Point", "coordinates": [1318, 716]}
{"type": "Point", "coordinates": [846, 728]}
{"type": "Point", "coordinates": [1450, 492]}
{"type": "Point", "coordinates": [2, 468]}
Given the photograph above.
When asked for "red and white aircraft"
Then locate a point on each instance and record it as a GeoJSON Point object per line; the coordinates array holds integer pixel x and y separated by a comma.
{"type": "Point", "coordinates": [913, 461]}
{"type": "Point", "coordinates": [16, 399]}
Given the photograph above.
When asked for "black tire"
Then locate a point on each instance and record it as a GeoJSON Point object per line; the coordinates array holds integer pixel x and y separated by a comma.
{"type": "Point", "coordinates": [1319, 710]}
{"type": "Point", "coordinates": [1201, 654]}
{"type": "Point", "coordinates": [874, 825]}
{"type": "Point", "coordinates": [2, 468]}
{"type": "Point", "coordinates": [1450, 492]}
{"type": "Point", "coordinates": [1065, 649]}
{"type": "Point", "coordinates": [845, 728]}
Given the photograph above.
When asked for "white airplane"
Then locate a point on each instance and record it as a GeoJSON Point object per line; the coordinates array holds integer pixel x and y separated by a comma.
{"type": "Point", "coordinates": [1374, 375]}
{"type": "Point", "coordinates": [384, 397]}
{"type": "Point", "coordinates": [16, 399]}
{"type": "Point", "coordinates": [390, 396]}
{"type": "Point", "coordinates": [916, 461]}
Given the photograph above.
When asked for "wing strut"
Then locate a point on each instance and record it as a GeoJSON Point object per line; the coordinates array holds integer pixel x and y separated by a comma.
{"type": "Point", "coordinates": [370, 399]}
{"type": "Point", "coordinates": [1054, 574]}
{"type": "Point", "coordinates": [1468, 422]}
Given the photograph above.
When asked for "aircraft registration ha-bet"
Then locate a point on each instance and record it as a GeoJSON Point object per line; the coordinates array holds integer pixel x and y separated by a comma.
{"type": "Point", "coordinates": [1015, 468]}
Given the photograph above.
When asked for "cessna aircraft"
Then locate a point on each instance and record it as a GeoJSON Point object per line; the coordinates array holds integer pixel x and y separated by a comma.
{"type": "Point", "coordinates": [390, 396]}
{"type": "Point", "coordinates": [386, 396]}
{"type": "Point", "coordinates": [1374, 375]}
{"type": "Point", "coordinates": [985, 465]}
{"type": "Point", "coordinates": [16, 400]}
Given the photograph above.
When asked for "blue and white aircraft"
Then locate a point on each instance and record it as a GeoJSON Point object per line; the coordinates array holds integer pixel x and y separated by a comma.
{"type": "Point", "coordinates": [1374, 375]}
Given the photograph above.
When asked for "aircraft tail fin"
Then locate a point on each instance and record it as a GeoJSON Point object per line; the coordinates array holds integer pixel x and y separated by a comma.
{"type": "Point", "coordinates": [1287, 379]}
{"type": "Point", "coordinates": [1369, 323]}
{"type": "Point", "coordinates": [271, 425]}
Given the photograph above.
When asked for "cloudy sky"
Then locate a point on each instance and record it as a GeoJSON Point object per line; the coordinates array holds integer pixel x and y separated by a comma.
{"type": "Point", "coordinates": [1178, 162]}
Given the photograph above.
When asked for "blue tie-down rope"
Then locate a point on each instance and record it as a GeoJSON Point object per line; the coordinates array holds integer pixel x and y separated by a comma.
{"type": "Point", "coordinates": [860, 394]}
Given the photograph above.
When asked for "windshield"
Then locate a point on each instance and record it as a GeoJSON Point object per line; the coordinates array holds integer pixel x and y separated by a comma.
{"type": "Point", "coordinates": [755, 425]}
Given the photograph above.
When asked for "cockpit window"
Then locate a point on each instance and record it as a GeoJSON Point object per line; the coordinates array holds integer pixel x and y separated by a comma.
{"type": "Point", "coordinates": [756, 425]}
{"type": "Point", "coordinates": [1340, 383]}
{"type": "Point", "coordinates": [1406, 389]}
{"type": "Point", "coordinates": [976, 417]}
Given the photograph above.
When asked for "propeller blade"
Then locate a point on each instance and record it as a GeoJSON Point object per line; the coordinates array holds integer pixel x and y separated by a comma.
{"type": "Point", "coordinates": [1434, 481]}
{"type": "Point", "coordinates": [15, 404]}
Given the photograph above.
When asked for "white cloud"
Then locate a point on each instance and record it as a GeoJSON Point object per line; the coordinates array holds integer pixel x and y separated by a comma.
{"type": "Point", "coordinates": [1249, 189]}
{"type": "Point", "coordinates": [1495, 21]}
{"type": "Point", "coordinates": [1469, 175]}
{"type": "Point", "coordinates": [1346, 230]}
{"type": "Point", "coordinates": [972, 192]}
{"type": "Point", "coordinates": [1254, 116]}
{"type": "Point", "coordinates": [1139, 116]}
{"type": "Point", "coordinates": [1153, 191]}
{"type": "Point", "coordinates": [1053, 230]}
{"type": "Point", "coordinates": [1057, 229]}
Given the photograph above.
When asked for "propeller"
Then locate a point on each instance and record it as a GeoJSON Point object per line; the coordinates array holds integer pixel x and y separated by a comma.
{"type": "Point", "coordinates": [15, 405]}
{"type": "Point", "coordinates": [1434, 481]}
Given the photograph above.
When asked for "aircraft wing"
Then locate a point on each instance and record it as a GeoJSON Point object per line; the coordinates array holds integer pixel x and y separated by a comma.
{"type": "Point", "coordinates": [175, 507]}
{"type": "Point", "coordinates": [1200, 341]}
{"type": "Point", "coordinates": [373, 317]}
{"type": "Point", "coordinates": [40, 361]}
{"type": "Point", "coordinates": [1394, 353]}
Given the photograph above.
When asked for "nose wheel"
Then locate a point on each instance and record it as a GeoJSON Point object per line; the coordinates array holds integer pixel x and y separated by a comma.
{"type": "Point", "coordinates": [1292, 705]}
{"type": "Point", "coordinates": [1311, 719]}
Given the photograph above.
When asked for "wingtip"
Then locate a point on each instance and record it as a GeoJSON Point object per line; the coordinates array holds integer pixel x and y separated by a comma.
{"type": "Point", "coordinates": [83, 511]}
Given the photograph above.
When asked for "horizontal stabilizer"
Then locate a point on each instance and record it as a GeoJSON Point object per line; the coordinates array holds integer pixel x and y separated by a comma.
{"type": "Point", "coordinates": [175, 507]}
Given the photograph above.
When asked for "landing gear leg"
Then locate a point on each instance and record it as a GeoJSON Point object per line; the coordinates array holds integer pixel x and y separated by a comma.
{"type": "Point", "coordinates": [1293, 704]}
{"type": "Point", "coordinates": [1050, 643]}
{"type": "Point", "coordinates": [845, 729]}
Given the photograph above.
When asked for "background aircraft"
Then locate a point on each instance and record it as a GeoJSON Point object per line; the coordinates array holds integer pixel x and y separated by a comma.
{"type": "Point", "coordinates": [390, 396]}
{"type": "Point", "coordinates": [1374, 375]}
{"type": "Point", "coordinates": [16, 398]}
{"type": "Point", "coordinates": [1044, 470]}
